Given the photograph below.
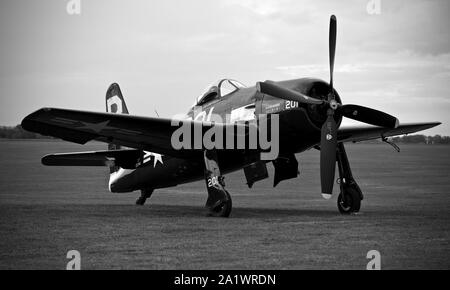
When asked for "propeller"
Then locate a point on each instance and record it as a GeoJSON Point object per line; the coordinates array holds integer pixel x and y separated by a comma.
{"type": "Point", "coordinates": [368, 115]}
{"type": "Point", "coordinates": [332, 48]}
{"type": "Point", "coordinates": [270, 88]}
{"type": "Point", "coordinates": [328, 145]}
{"type": "Point", "coordinates": [328, 136]}
{"type": "Point", "coordinates": [355, 112]}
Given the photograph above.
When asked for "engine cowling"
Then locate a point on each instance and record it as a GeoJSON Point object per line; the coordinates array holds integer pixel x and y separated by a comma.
{"type": "Point", "coordinates": [318, 113]}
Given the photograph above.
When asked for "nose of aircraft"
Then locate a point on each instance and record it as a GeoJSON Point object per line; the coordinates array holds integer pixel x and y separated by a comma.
{"type": "Point", "coordinates": [324, 111]}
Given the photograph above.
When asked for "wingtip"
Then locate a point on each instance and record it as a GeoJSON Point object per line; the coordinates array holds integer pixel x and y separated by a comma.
{"type": "Point", "coordinates": [434, 124]}
{"type": "Point", "coordinates": [397, 123]}
{"type": "Point", "coordinates": [28, 120]}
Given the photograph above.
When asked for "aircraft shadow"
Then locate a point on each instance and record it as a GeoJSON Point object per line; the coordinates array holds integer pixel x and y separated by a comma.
{"type": "Point", "coordinates": [237, 213]}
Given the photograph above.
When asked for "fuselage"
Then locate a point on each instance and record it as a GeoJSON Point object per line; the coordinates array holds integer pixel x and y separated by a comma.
{"type": "Point", "coordinates": [299, 130]}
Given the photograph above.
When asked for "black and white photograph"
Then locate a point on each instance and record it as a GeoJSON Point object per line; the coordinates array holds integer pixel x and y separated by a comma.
{"type": "Point", "coordinates": [230, 135]}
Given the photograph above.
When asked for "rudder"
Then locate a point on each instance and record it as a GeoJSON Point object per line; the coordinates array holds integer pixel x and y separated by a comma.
{"type": "Point", "coordinates": [115, 102]}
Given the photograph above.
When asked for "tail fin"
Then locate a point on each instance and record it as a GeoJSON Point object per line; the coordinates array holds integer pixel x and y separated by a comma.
{"type": "Point", "coordinates": [114, 100]}
{"type": "Point", "coordinates": [115, 104]}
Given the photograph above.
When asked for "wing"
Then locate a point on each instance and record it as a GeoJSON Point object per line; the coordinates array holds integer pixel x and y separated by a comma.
{"type": "Point", "coordinates": [142, 133]}
{"type": "Point", "coordinates": [356, 134]}
{"type": "Point", "coordinates": [124, 158]}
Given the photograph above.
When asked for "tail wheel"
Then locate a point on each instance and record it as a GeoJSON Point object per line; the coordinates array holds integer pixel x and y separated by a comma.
{"type": "Point", "coordinates": [141, 201]}
{"type": "Point", "coordinates": [351, 203]}
{"type": "Point", "coordinates": [223, 209]}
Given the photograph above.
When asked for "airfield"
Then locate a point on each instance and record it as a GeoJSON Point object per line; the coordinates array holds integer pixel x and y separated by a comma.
{"type": "Point", "coordinates": [47, 211]}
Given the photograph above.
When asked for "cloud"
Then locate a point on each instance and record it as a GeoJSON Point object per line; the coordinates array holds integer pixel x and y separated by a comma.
{"type": "Point", "coordinates": [260, 7]}
{"type": "Point", "coordinates": [403, 62]}
{"type": "Point", "coordinates": [164, 52]}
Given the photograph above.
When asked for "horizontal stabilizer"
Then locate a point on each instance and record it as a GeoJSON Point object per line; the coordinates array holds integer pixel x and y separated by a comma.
{"type": "Point", "coordinates": [126, 159]}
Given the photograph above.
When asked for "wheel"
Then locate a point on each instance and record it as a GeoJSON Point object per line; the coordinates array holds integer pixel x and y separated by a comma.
{"type": "Point", "coordinates": [223, 209]}
{"type": "Point", "coordinates": [352, 201]}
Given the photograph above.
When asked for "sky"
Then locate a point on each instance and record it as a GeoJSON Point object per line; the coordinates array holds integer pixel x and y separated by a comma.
{"type": "Point", "coordinates": [394, 57]}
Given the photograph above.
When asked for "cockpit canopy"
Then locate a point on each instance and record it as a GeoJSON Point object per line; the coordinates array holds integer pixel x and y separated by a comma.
{"type": "Point", "coordinates": [219, 89]}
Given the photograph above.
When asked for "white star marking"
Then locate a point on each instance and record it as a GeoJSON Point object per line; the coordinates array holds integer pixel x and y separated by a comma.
{"type": "Point", "coordinates": [96, 127]}
{"type": "Point", "coordinates": [156, 158]}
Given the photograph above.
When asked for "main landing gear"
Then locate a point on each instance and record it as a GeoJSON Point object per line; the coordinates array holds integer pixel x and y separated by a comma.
{"type": "Point", "coordinates": [219, 200]}
{"type": "Point", "coordinates": [349, 200]}
{"type": "Point", "coordinates": [144, 195]}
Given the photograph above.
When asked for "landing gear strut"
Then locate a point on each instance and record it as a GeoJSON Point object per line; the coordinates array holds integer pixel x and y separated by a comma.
{"type": "Point", "coordinates": [219, 200]}
{"type": "Point", "coordinates": [349, 200]}
{"type": "Point", "coordinates": [144, 195]}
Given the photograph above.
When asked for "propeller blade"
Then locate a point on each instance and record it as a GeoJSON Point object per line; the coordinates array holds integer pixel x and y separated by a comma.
{"type": "Point", "coordinates": [368, 115]}
{"type": "Point", "coordinates": [270, 88]}
{"type": "Point", "coordinates": [328, 144]}
{"type": "Point", "coordinates": [332, 48]}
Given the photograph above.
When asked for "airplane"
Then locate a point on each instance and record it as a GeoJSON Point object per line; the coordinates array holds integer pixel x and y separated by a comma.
{"type": "Point", "coordinates": [141, 155]}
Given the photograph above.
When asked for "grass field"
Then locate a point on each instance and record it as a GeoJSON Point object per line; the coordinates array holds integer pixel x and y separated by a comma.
{"type": "Point", "coordinates": [47, 211]}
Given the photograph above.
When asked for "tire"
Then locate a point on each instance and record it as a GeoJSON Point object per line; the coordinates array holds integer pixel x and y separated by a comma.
{"type": "Point", "coordinates": [352, 201]}
{"type": "Point", "coordinates": [223, 209]}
